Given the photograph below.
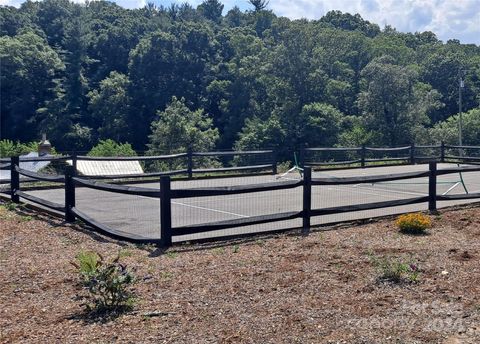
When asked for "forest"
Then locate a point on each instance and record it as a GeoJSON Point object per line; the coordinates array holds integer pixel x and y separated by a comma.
{"type": "Point", "coordinates": [165, 79]}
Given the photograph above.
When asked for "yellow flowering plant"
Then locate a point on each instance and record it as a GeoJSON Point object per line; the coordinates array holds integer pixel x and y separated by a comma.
{"type": "Point", "coordinates": [413, 223]}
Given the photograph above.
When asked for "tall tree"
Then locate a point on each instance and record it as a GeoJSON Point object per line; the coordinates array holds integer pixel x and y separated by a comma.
{"type": "Point", "coordinates": [178, 128]}
{"type": "Point", "coordinates": [29, 70]}
{"type": "Point", "coordinates": [211, 9]}
{"type": "Point", "coordinates": [259, 4]}
{"type": "Point", "coordinates": [109, 107]}
{"type": "Point", "coordinates": [389, 101]}
{"type": "Point", "coordinates": [165, 65]}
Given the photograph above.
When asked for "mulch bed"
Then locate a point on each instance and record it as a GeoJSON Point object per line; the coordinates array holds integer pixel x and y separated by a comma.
{"type": "Point", "coordinates": [322, 288]}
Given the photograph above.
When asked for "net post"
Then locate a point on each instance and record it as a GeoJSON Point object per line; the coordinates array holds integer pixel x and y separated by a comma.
{"type": "Point", "coordinates": [14, 179]}
{"type": "Point", "coordinates": [432, 187]}
{"type": "Point", "coordinates": [412, 154]}
{"type": "Point", "coordinates": [69, 194]}
{"type": "Point", "coordinates": [274, 162]}
{"type": "Point", "coordinates": [363, 153]}
{"type": "Point", "coordinates": [190, 162]}
{"type": "Point", "coordinates": [307, 199]}
{"type": "Point", "coordinates": [165, 212]}
{"type": "Point", "coordinates": [301, 157]}
{"type": "Point", "coordinates": [442, 151]}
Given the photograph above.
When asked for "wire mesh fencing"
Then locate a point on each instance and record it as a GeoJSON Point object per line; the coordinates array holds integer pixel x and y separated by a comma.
{"type": "Point", "coordinates": [391, 156]}
{"type": "Point", "coordinates": [233, 208]}
{"type": "Point", "coordinates": [128, 215]}
{"type": "Point", "coordinates": [331, 158]}
{"type": "Point", "coordinates": [427, 153]}
{"type": "Point", "coordinates": [462, 154]}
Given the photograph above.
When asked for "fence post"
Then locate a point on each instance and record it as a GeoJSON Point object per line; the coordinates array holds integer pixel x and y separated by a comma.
{"type": "Point", "coordinates": [190, 162]}
{"type": "Point", "coordinates": [14, 179]}
{"type": "Point", "coordinates": [69, 194]}
{"type": "Point", "coordinates": [74, 163]}
{"type": "Point", "coordinates": [432, 187]}
{"type": "Point", "coordinates": [307, 199]}
{"type": "Point", "coordinates": [165, 212]}
{"type": "Point", "coordinates": [412, 154]}
{"type": "Point", "coordinates": [442, 151]}
{"type": "Point", "coordinates": [274, 162]}
{"type": "Point", "coordinates": [363, 153]}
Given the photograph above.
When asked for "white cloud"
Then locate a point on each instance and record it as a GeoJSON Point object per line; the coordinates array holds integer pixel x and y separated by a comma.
{"type": "Point", "coordinates": [448, 19]}
{"type": "Point", "coordinates": [15, 3]}
{"type": "Point", "coordinates": [131, 3]}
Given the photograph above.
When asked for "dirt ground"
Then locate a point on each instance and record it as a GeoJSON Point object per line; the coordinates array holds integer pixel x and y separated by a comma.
{"type": "Point", "coordinates": [322, 288]}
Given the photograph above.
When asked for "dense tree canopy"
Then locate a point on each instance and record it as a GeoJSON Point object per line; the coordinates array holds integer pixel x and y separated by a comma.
{"type": "Point", "coordinates": [447, 131]}
{"type": "Point", "coordinates": [96, 71]}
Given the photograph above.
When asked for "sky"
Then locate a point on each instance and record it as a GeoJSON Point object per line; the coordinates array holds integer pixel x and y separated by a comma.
{"type": "Point", "coordinates": [448, 19]}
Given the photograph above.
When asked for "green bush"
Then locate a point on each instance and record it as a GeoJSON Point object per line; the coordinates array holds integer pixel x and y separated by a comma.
{"type": "Point", "coordinates": [9, 148]}
{"type": "Point", "coordinates": [111, 148]}
{"type": "Point", "coordinates": [107, 284]}
{"type": "Point", "coordinates": [395, 270]}
{"type": "Point", "coordinates": [88, 263]}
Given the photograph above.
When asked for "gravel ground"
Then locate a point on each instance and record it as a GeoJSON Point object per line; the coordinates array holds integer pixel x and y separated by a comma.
{"type": "Point", "coordinates": [322, 288]}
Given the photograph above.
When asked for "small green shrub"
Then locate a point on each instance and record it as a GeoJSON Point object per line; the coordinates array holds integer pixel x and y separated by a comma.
{"type": "Point", "coordinates": [111, 148]}
{"type": "Point", "coordinates": [26, 218]}
{"type": "Point", "coordinates": [107, 284]}
{"type": "Point", "coordinates": [395, 270]}
{"type": "Point", "coordinates": [88, 263]}
{"type": "Point", "coordinates": [11, 206]}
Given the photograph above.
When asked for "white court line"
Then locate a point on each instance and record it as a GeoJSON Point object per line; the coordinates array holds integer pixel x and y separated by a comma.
{"type": "Point", "coordinates": [209, 209]}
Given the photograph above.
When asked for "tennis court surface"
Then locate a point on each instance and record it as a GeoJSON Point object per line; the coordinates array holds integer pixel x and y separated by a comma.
{"type": "Point", "coordinates": [140, 215]}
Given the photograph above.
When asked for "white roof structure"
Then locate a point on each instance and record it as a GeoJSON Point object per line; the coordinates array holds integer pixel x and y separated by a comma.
{"type": "Point", "coordinates": [109, 168]}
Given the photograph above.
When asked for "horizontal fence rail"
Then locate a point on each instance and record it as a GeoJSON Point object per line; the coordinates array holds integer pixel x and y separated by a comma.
{"type": "Point", "coordinates": [234, 190]}
{"type": "Point", "coordinates": [131, 158]}
{"type": "Point", "coordinates": [127, 190]}
{"type": "Point", "coordinates": [166, 194]}
{"type": "Point", "coordinates": [43, 202]}
{"type": "Point", "coordinates": [368, 179]}
{"type": "Point", "coordinates": [38, 176]}
{"type": "Point", "coordinates": [137, 175]}
{"type": "Point", "coordinates": [113, 233]}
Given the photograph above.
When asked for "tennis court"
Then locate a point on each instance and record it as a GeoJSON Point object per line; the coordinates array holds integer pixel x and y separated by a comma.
{"type": "Point", "coordinates": [140, 215]}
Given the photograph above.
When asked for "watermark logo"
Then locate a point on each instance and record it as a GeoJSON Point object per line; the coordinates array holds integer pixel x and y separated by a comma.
{"type": "Point", "coordinates": [436, 316]}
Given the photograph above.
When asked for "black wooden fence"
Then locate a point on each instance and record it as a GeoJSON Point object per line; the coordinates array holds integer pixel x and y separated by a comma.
{"type": "Point", "coordinates": [166, 194]}
{"type": "Point", "coordinates": [219, 163]}
{"type": "Point", "coordinates": [353, 157]}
